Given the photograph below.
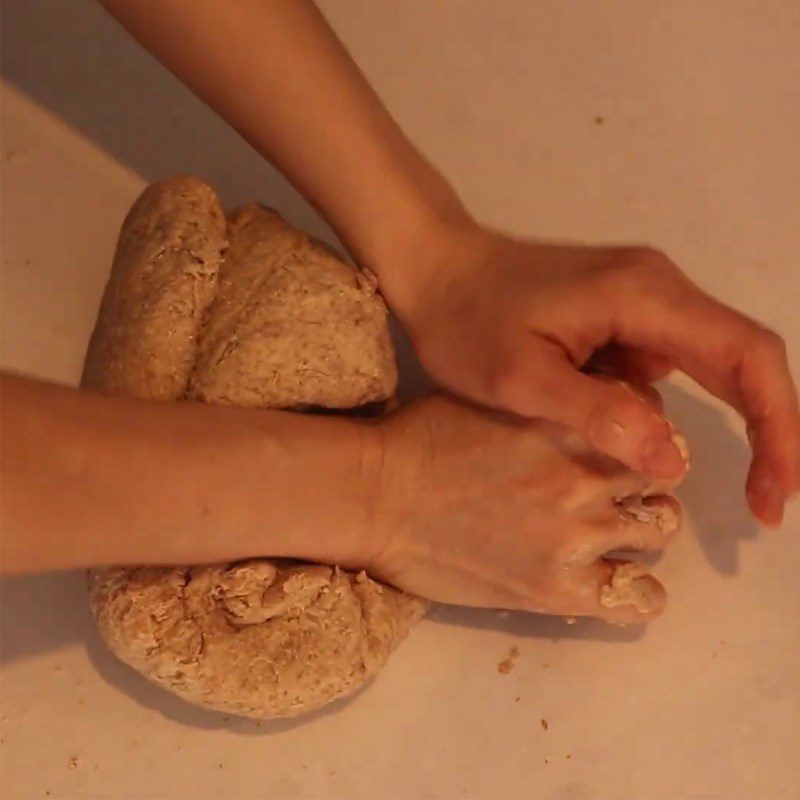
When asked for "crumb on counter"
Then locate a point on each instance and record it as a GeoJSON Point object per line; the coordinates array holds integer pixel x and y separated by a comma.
{"type": "Point", "coordinates": [509, 662]}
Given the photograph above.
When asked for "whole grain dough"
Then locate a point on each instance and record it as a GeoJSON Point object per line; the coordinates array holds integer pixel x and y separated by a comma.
{"type": "Point", "coordinates": [247, 312]}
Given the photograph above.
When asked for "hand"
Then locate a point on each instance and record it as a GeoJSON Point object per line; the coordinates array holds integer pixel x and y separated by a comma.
{"type": "Point", "coordinates": [517, 325]}
{"type": "Point", "coordinates": [485, 509]}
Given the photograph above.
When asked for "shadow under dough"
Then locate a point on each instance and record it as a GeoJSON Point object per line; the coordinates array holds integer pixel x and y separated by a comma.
{"type": "Point", "coordinates": [149, 695]}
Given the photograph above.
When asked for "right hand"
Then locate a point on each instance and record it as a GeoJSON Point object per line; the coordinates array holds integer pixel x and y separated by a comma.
{"type": "Point", "coordinates": [482, 509]}
{"type": "Point", "coordinates": [515, 325]}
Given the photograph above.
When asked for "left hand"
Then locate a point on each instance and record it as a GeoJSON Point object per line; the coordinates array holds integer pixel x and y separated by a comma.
{"type": "Point", "coordinates": [517, 325]}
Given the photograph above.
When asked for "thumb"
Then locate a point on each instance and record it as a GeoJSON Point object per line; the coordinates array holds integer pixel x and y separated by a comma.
{"type": "Point", "coordinates": [610, 415]}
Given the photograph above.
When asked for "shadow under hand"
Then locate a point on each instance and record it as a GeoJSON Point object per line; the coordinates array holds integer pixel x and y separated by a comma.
{"type": "Point", "coordinates": [524, 625]}
{"type": "Point", "coordinates": [74, 59]}
{"type": "Point", "coordinates": [42, 613]}
{"type": "Point", "coordinates": [713, 493]}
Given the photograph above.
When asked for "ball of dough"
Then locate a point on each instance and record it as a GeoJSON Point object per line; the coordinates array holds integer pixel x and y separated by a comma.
{"type": "Point", "coordinates": [258, 639]}
{"type": "Point", "coordinates": [249, 313]}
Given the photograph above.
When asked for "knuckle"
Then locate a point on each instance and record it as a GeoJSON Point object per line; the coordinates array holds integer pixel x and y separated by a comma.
{"type": "Point", "coordinates": [647, 256]}
{"type": "Point", "coordinates": [761, 343]}
{"type": "Point", "coordinates": [772, 344]}
{"type": "Point", "coordinates": [636, 267]}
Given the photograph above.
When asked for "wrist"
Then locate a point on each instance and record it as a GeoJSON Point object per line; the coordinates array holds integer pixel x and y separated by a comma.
{"type": "Point", "coordinates": [397, 233]}
{"type": "Point", "coordinates": [326, 493]}
{"type": "Point", "coordinates": [421, 270]}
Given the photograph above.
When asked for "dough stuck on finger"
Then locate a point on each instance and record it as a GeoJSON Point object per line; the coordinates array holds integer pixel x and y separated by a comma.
{"type": "Point", "coordinates": [680, 442]}
{"type": "Point", "coordinates": [254, 315]}
{"type": "Point", "coordinates": [660, 511]}
{"type": "Point", "coordinates": [632, 585]}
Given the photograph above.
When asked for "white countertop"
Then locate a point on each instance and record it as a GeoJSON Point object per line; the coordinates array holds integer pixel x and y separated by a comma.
{"type": "Point", "coordinates": [696, 152]}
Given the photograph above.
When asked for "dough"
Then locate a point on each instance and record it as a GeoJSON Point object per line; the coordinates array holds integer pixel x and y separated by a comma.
{"type": "Point", "coordinates": [251, 313]}
{"type": "Point", "coordinates": [291, 325]}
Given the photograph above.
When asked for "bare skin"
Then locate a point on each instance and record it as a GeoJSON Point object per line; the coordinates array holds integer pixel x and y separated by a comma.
{"type": "Point", "coordinates": [537, 312]}
{"type": "Point", "coordinates": [441, 499]}
{"type": "Point", "coordinates": [490, 510]}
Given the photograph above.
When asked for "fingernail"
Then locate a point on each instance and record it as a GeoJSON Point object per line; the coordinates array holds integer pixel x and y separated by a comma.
{"type": "Point", "coordinates": [662, 459]}
{"type": "Point", "coordinates": [769, 500]}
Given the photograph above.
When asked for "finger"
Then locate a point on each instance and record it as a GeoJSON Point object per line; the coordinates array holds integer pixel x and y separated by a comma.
{"type": "Point", "coordinates": [651, 395]}
{"type": "Point", "coordinates": [647, 392]}
{"type": "Point", "coordinates": [631, 364]}
{"type": "Point", "coordinates": [612, 417]}
{"type": "Point", "coordinates": [765, 496]}
{"type": "Point", "coordinates": [631, 523]}
{"type": "Point", "coordinates": [735, 359]}
{"type": "Point", "coordinates": [640, 523]}
{"type": "Point", "coordinates": [601, 478]}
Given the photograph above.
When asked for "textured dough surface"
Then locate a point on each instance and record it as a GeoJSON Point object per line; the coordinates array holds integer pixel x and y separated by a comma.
{"type": "Point", "coordinates": [291, 325]}
{"type": "Point", "coordinates": [280, 322]}
{"type": "Point", "coordinates": [631, 584]}
{"type": "Point", "coordinates": [162, 280]}
{"type": "Point", "coordinates": [255, 638]}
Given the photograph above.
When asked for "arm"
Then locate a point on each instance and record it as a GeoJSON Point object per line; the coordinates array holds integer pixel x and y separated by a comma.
{"type": "Point", "coordinates": [90, 479]}
{"type": "Point", "coordinates": [275, 71]}
{"type": "Point", "coordinates": [505, 322]}
{"type": "Point", "coordinates": [192, 483]}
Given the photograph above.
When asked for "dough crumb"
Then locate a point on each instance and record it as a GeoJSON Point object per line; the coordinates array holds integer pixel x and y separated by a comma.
{"type": "Point", "coordinates": [73, 763]}
{"type": "Point", "coordinates": [509, 662]}
{"type": "Point", "coordinates": [544, 723]}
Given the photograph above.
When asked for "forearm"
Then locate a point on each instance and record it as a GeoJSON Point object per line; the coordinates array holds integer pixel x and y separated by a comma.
{"type": "Point", "coordinates": [90, 480]}
{"type": "Point", "coordinates": [276, 72]}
